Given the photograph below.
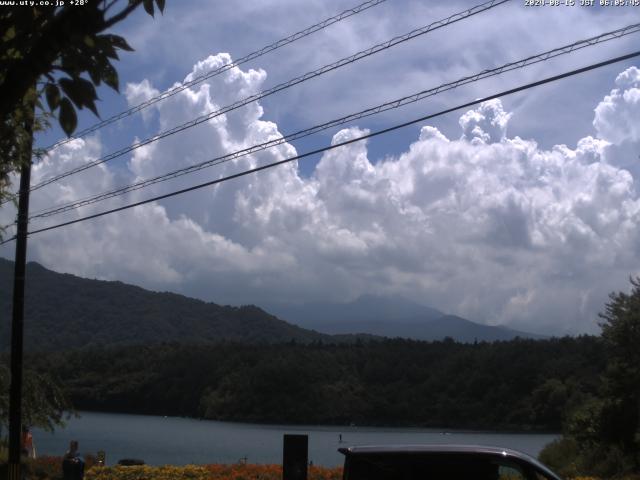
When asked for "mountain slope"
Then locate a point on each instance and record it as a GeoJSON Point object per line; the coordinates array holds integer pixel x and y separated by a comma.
{"type": "Point", "coordinates": [64, 311]}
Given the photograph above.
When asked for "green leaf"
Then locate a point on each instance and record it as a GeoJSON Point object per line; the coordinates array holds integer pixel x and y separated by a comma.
{"type": "Point", "coordinates": [110, 52]}
{"type": "Point", "coordinates": [81, 92]}
{"type": "Point", "coordinates": [68, 119]}
{"type": "Point", "coordinates": [52, 93]}
{"type": "Point", "coordinates": [119, 42]}
{"type": "Point", "coordinates": [160, 4]}
{"type": "Point", "coordinates": [10, 34]}
{"type": "Point", "coordinates": [95, 72]}
{"type": "Point", "coordinates": [110, 76]}
{"type": "Point", "coordinates": [106, 46]}
{"type": "Point", "coordinates": [70, 64]}
{"type": "Point", "coordinates": [148, 6]}
{"type": "Point", "coordinates": [89, 41]}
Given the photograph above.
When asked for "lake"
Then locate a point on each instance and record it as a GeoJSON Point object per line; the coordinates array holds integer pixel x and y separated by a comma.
{"type": "Point", "coordinates": [180, 441]}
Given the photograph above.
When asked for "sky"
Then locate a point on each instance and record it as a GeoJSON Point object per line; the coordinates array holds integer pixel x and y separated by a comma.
{"type": "Point", "coordinates": [521, 211]}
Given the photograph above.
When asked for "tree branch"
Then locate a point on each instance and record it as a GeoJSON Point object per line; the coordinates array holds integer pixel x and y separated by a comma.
{"type": "Point", "coordinates": [122, 15]}
{"type": "Point", "coordinates": [107, 6]}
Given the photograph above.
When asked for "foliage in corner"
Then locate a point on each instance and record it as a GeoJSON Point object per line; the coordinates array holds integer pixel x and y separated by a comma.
{"type": "Point", "coordinates": [59, 53]}
{"type": "Point", "coordinates": [602, 434]}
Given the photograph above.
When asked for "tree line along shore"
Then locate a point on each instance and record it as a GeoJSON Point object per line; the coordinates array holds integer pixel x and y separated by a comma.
{"type": "Point", "coordinates": [515, 385]}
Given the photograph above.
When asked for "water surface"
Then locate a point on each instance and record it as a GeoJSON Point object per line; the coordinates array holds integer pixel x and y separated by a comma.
{"type": "Point", "coordinates": [180, 441]}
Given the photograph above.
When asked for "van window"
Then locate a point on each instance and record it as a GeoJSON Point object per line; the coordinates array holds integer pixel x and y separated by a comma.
{"type": "Point", "coordinates": [441, 466]}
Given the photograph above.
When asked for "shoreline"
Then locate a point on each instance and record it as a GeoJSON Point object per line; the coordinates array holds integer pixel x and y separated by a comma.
{"type": "Point", "coordinates": [337, 427]}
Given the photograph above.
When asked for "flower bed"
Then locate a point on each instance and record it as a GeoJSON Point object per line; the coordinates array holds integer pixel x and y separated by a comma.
{"type": "Point", "coordinates": [206, 472]}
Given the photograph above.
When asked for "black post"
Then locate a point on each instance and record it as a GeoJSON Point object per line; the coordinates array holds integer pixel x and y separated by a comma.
{"type": "Point", "coordinates": [295, 456]}
{"type": "Point", "coordinates": [17, 323]}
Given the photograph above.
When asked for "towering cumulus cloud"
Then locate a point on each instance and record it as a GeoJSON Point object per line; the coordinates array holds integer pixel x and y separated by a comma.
{"type": "Point", "coordinates": [485, 225]}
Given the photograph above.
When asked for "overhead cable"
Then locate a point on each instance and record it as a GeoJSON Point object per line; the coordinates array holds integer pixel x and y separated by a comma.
{"type": "Point", "coordinates": [217, 71]}
{"type": "Point", "coordinates": [531, 60]}
{"type": "Point", "coordinates": [341, 144]}
{"type": "Point", "coordinates": [282, 86]}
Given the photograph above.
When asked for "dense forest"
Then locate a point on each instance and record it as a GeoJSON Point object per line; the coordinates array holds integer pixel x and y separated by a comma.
{"type": "Point", "coordinates": [519, 384]}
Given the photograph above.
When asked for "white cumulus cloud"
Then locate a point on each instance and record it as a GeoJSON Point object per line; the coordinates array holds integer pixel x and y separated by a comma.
{"type": "Point", "coordinates": [483, 225]}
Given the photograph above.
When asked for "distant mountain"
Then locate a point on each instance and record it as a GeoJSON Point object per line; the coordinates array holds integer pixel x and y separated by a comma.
{"type": "Point", "coordinates": [364, 309]}
{"type": "Point", "coordinates": [390, 317]}
{"type": "Point", "coordinates": [64, 311]}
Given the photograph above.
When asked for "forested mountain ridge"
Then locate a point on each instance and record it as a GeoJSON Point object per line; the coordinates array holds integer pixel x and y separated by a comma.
{"type": "Point", "coordinates": [64, 311]}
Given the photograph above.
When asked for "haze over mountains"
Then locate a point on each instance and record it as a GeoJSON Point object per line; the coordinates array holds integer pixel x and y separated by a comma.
{"type": "Point", "coordinates": [390, 317]}
{"type": "Point", "coordinates": [64, 311]}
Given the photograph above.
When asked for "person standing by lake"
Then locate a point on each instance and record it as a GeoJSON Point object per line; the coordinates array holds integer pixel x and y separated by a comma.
{"type": "Point", "coordinates": [28, 448]}
{"type": "Point", "coordinates": [73, 463]}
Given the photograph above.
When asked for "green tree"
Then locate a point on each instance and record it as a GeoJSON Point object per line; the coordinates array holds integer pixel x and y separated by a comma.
{"type": "Point", "coordinates": [604, 431]}
{"type": "Point", "coordinates": [61, 54]}
{"type": "Point", "coordinates": [44, 404]}
{"type": "Point", "coordinates": [548, 402]}
{"type": "Point", "coordinates": [621, 334]}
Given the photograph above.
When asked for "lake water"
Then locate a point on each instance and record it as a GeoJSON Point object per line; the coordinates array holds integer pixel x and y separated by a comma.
{"type": "Point", "coordinates": [180, 441]}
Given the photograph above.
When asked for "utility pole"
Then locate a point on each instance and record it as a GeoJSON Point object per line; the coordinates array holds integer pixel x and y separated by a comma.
{"type": "Point", "coordinates": [17, 321]}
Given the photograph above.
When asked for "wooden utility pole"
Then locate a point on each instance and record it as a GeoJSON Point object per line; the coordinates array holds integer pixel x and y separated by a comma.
{"type": "Point", "coordinates": [17, 321]}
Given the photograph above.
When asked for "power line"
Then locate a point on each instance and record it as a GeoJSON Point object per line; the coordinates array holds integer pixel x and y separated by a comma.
{"type": "Point", "coordinates": [200, 78]}
{"type": "Point", "coordinates": [340, 121]}
{"type": "Point", "coordinates": [341, 144]}
{"type": "Point", "coordinates": [282, 86]}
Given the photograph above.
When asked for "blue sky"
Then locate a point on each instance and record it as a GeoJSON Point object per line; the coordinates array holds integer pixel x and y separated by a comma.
{"type": "Point", "coordinates": [521, 212]}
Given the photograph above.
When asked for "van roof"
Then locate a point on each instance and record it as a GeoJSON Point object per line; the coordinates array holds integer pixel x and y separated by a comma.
{"type": "Point", "coordinates": [446, 449]}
